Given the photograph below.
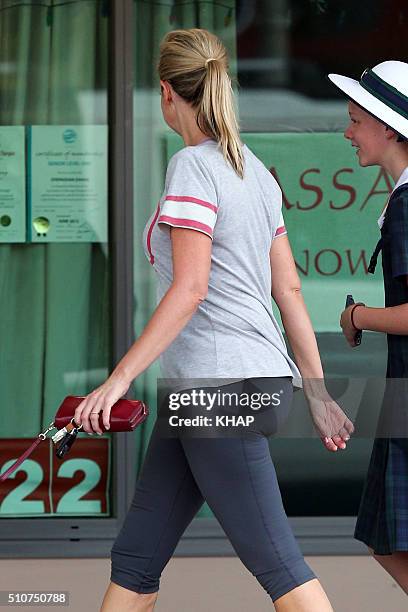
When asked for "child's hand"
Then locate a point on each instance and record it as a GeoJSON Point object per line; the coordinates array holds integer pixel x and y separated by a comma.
{"type": "Point", "coordinates": [347, 326]}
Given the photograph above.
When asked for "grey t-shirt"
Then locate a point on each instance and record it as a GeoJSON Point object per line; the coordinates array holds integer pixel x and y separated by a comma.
{"type": "Point", "coordinates": [233, 334]}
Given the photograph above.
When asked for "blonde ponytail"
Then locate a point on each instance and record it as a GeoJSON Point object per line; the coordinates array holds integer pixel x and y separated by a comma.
{"type": "Point", "coordinates": [195, 63]}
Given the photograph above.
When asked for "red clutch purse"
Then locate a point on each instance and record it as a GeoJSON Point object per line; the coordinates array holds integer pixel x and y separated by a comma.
{"type": "Point", "coordinates": [125, 414]}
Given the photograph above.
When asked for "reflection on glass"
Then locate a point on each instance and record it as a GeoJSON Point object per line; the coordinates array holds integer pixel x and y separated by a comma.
{"type": "Point", "coordinates": [286, 48]}
{"type": "Point", "coordinates": [55, 322]}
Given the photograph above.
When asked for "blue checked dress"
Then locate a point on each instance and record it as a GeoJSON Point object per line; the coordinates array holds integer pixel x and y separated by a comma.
{"type": "Point", "coordinates": [382, 521]}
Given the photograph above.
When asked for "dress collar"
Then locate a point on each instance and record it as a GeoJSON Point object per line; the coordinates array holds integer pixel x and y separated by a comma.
{"type": "Point", "coordinates": [402, 179]}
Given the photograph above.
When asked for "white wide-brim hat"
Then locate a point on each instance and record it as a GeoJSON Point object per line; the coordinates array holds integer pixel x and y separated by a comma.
{"type": "Point", "coordinates": [382, 91]}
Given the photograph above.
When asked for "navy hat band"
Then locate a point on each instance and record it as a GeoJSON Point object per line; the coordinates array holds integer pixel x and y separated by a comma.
{"type": "Point", "coordinates": [384, 92]}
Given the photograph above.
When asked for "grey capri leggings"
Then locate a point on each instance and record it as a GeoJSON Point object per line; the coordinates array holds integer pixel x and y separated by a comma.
{"type": "Point", "coordinates": [237, 479]}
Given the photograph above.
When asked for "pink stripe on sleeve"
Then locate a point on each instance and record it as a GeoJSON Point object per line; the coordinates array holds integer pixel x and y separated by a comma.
{"type": "Point", "coordinates": [187, 223]}
{"type": "Point", "coordinates": [280, 230]}
{"type": "Point", "coordinates": [192, 200]}
{"type": "Point", "coordinates": [149, 234]}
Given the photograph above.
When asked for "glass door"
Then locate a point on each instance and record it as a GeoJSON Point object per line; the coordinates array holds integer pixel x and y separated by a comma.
{"type": "Point", "coordinates": [55, 323]}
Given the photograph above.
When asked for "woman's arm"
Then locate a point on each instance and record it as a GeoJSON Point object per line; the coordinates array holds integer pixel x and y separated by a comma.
{"type": "Point", "coordinates": [329, 419]}
{"type": "Point", "coordinates": [191, 268]}
{"type": "Point", "coordinates": [287, 293]}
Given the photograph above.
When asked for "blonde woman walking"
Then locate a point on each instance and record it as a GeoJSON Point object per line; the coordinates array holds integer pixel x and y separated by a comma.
{"type": "Point", "coordinates": [215, 242]}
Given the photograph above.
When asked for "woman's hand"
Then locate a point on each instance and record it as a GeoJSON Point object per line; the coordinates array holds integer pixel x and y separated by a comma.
{"type": "Point", "coordinates": [347, 326]}
{"type": "Point", "coordinates": [331, 423]}
{"type": "Point", "coordinates": [100, 400]}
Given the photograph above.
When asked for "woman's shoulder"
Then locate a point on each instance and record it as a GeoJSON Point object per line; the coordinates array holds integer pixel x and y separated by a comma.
{"type": "Point", "coordinates": [190, 157]}
{"type": "Point", "coordinates": [184, 154]}
{"type": "Point", "coordinates": [188, 174]}
{"type": "Point", "coordinates": [254, 159]}
{"type": "Point", "coordinates": [267, 178]}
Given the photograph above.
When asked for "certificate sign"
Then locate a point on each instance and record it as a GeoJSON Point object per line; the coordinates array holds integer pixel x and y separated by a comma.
{"type": "Point", "coordinates": [68, 192]}
{"type": "Point", "coordinates": [12, 184]}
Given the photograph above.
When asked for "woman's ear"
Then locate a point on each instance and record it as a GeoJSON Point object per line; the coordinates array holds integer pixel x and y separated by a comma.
{"type": "Point", "coordinates": [166, 91]}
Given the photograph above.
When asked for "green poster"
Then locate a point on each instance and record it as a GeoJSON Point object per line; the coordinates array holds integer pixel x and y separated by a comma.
{"type": "Point", "coordinates": [330, 207]}
{"type": "Point", "coordinates": [12, 184]}
{"type": "Point", "coordinates": [68, 188]}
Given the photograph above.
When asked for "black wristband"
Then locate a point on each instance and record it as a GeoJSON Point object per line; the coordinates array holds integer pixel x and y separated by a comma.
{"type": "Point", "coordinates": [352, 315]}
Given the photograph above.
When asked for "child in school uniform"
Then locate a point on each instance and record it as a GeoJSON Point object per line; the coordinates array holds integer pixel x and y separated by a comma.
{"type": "Point", "coordinates": [378, 109]}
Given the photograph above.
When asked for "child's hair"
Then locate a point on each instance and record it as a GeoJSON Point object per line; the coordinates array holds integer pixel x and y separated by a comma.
{"type": "Point", "coordinates": [195, 63]}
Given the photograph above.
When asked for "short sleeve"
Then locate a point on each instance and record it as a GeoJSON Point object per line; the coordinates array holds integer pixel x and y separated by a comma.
{"type": "Point", "coordinates": [281, 229]}
{"type": "Point", "coordinates": [190, 198]}
{"type": "Point", "coordinates": [397, 218]}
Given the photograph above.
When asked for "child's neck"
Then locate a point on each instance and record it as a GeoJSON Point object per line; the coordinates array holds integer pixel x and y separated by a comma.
{"type": "Point", "coordinates": [396, 164]}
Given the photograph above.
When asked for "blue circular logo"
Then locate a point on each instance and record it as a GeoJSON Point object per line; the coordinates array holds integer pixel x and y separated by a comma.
{"type": "Point", "coordinates": [69, 136]}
